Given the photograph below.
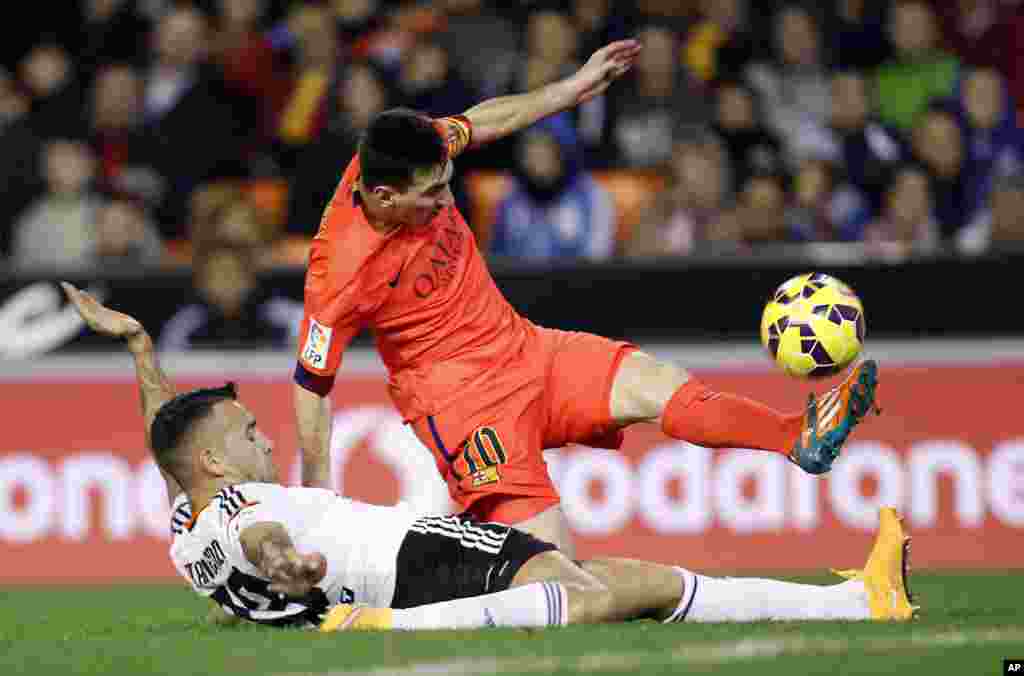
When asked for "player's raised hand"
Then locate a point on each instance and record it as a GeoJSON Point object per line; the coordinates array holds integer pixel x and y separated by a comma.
{"type": "Point", "coordinates": [604, 67]}
{"type": "Point", "coordinates": [293, 574]}
{"type": "Point", "coordinates": [101, 318]}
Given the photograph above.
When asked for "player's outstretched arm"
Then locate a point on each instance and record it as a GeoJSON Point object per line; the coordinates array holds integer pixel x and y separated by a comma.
{"type": "Point", "coordinates": [498, 117]}
{"type": "Point", "coordinates": [154, 387]}
{"type": "Point", "coordinates": [268, 546]}
{"type": "Point", "coordinates": [313, 417]}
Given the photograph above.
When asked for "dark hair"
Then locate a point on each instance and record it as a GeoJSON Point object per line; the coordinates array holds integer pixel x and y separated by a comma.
{"type": "Point", "coordinates": [175, 419]}
{"type": "Point", "coordinates": [398, 142]}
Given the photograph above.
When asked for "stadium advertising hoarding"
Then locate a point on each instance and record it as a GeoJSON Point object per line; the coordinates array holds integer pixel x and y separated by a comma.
{"type": "Point", "coordinates": [79, 501]}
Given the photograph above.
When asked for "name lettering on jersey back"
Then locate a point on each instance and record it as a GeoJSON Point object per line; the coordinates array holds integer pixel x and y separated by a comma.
{"type": "Point", "coordinates": [444, 257]}
{"type": "Point", "coordinates": [204, 571]}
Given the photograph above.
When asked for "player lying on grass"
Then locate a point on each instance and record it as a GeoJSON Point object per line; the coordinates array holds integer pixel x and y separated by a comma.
{"type": "Point", "coordinates": [482, 387]}
{"type": "Point", "coordinates": [307, 556]}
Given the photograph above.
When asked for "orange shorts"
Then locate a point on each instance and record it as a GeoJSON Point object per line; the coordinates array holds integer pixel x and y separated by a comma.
{"type": "Point", "coordinates": [489, 444]}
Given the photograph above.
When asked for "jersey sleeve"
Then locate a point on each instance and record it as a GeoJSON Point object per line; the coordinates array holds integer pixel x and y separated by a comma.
{"type": "Point", "coordinates": [333, 308]}
{"type": "Point", "coordinates": [457, 132]}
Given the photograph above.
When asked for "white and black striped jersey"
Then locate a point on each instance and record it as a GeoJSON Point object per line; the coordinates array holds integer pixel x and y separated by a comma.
{"type": "Point", "coordinates": [360, 542]}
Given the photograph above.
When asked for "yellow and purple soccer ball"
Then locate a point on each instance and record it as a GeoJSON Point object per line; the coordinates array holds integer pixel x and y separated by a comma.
{"type": "Point", "coordinates": [813, 326]}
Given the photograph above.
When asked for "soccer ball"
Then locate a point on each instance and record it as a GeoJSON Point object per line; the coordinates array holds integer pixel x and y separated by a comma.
{"type": "Point", "coordinates": [813, 326]}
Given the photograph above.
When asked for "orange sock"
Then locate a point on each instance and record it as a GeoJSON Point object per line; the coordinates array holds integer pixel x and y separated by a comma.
{"type": "Point", "coordinates": [704, 417]}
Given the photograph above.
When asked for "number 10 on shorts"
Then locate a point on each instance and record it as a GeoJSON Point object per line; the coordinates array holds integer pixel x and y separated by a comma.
{"type": "Point", "coordinates": [480, 458]}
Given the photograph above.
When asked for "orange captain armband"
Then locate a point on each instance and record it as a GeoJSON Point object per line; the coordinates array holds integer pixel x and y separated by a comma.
{"type": "Point", "coordinates": [457, 132]}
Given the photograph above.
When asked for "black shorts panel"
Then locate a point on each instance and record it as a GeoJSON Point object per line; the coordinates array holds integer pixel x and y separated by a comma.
{"type": "Point", "coordinates": [453, 557]}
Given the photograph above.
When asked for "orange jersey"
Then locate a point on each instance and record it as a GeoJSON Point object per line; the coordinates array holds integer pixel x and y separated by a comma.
{"type": "Point", "coordinates": [441, 324]}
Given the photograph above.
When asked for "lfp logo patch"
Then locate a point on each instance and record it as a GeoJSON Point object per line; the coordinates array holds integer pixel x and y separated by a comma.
{"type": "Point", "coordinates": [318, 344]}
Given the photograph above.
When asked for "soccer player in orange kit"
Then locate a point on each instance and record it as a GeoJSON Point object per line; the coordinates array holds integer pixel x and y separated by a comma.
{"type": "Point", "coordinates": [484, 388]}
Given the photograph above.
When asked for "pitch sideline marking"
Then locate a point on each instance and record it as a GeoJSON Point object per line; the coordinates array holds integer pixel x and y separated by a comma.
{"type": "Point", "coordinates": [686, 653]}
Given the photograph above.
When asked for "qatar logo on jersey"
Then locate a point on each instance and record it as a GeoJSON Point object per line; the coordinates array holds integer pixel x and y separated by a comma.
{"type": "Point", "coordinates": [318, 344]}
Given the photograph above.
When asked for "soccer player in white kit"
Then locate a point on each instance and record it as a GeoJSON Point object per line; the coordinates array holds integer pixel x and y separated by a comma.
{"type": "Point", "coordinates": [296, 556]}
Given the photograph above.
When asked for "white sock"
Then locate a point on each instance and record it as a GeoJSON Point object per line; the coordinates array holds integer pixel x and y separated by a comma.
{"type": "Point", "coordinates": [748, 599]}
{"type": "Point", "coordinates": [541, 604]}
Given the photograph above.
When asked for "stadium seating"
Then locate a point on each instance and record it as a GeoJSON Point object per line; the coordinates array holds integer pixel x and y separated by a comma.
{"type": "Point", "coordinates": [630, 191]}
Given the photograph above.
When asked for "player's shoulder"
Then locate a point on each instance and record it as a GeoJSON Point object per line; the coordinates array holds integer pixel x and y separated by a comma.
{"type": "Point", "coordinates": [243, 494]}
{"type": "Point", "coordinates": [251, 493]}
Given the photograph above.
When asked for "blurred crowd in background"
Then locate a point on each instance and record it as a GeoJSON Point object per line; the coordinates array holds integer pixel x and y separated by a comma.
{"type": "Point", "coordinates": [153, 132]}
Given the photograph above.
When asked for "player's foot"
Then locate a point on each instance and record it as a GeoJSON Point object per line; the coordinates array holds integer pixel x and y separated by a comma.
{"type": "Point", "coordinates": [885, 574]}
{"type": "Point", "coordinates": [828, 421]}
{"type": "Point", "coordinates": [348, 617]}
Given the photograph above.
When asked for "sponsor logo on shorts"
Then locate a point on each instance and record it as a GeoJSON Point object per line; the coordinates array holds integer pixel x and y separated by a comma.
{"type": "Point", "coordinates": [318, 344]}
{"type": "Point", "coordinates": [488, 475]}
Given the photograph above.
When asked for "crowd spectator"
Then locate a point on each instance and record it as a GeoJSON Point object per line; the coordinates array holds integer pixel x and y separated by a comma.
{"type": "Point", "coordinates": [907, 224]}
{"type": "Point", "coordinates": [920, 69]}
{"type": "Point", "coordinates": [857, 32]}
{"type": "Point", "coordinates": [721, 44]}
{"type": "Point", "coordinates": [117, 134]}
{"type": "Point", "coordinates": [657, 105]}
{"type": "Point", "coordinates": [979, 31]}
{"type": "Point", "coordinates": [222, 211]}
{"type": "Point", "coordinates": [428, 83]}
{"type": "Point", "coordinates": [937, 145]}
{"type": "Point", "coordinates": [361, 94]}
{"type": "Point", "coordinates": [484, 45]}
{"type": "Point", "coordinates": [251, 66]}
{"type": "Point", "coordinates": [126, 235]}
{"type": "Point", "coordinates": [231, 310]}
{"type": "Point", "coordinates": [794, 83]}
{"type": "Point", "coordinates": [317, 55]}
{"type": "Point", "coordinates": [695, 209]}
{"type": "Point", "coordinates": [110, 31]}
{"type": "Point", "coordinates": [751, 146]}
{"type": "Point", "coordinates": [855, 139]}
{"type": "Point", "coordinates": [57, 230]}
{"type": "Point", "coordinates": [598, 22]}
{"type": "Point", "coordinates": [806, 121]}
{"type": "Point", "coordinates": [187, 107]}
{"type": "Point", "coordinates": [825, 205]}
{"type": "Point", "coordinates": [555, 210]}
{"type": "Point", "coordinates": [1000, 225]}
{"type": "Point", "coordinates": [19, 163]}
{"type": "Point", "coordinates": [47, 74]}
{"type": "Point", "coordinates": [761, 209]}
{"type": "Point", "coordinates": [993, 142]}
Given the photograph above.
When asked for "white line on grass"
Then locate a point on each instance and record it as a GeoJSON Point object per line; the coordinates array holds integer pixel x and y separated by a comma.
{"type": "Point", "coordinates": [690, 653]}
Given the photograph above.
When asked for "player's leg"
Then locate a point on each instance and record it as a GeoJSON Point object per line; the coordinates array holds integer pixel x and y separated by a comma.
{"type": "Point", "coordinates": [549, 525]}
{"type": "Point", "coordinates": [614, 589]}
{"type": "Point", "coordinates": [641, 589]}
{"type": "Point", "coordinates": [646, 389]}
{"type": "Point", "coordinates": [670, 594]}
{"type": "Point", "coordinates": [645, 590]}
{"type": "Point", "coordinates": [548, 588]}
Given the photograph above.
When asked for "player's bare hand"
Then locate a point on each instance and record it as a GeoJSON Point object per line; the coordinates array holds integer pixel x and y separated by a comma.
{"type": "Point", "coordinates": [604, 67]}
{"type": "Point", "coordinates": [294, 574]}
{"type": "Point", "coordinates": [100, 318]}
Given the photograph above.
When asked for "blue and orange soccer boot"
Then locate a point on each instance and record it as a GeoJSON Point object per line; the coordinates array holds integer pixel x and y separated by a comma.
{"type": "Point", "coordinates": [828, 421]}
{"type": "Point", "coordinates": [885, 574]}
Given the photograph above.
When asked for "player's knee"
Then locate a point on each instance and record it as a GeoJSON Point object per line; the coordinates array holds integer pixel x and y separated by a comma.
{"type": "Point", "coordinates": [600, 605]}
{"type": "Point", "coordinates": [590, 603]}
{"type": "Point", "coordinates": [643, 386]}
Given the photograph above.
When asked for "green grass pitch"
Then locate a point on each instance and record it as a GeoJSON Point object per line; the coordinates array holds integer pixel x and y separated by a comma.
{"type": "Point", "coordinates": [969, 623]}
